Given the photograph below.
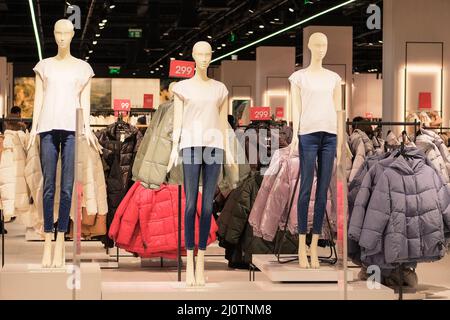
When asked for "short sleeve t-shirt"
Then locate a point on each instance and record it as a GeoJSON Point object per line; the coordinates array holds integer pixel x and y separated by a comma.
{"type": "Point", "coordinates": [63, 84]}
{"type": "Point", "coordinates": [317, 93]}
{"type": "Point", "coordinates": [201, 115]}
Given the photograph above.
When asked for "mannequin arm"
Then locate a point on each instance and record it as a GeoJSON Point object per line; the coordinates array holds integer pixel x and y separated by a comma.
{"type": "Point", "coordinates": [176, 134]}
{"type": "Point", "coordinates": [296, 107]}
{"type": "Point", "coordinates": [38, 100]}
{"type": "Point", "coordinates": [223, 114]}
{"type": "Point", "coordinates": [85, 102]}
{"type": "Point", "coordinates": [337, 96]}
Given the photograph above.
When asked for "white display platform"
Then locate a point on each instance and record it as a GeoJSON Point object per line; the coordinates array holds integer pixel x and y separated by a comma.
{"type": "Point", "coordinates": [32, 282]}
{"type": "Point", "coordinates": [291, 272]}
{"type": "Point", "coordinates": [264, 290]}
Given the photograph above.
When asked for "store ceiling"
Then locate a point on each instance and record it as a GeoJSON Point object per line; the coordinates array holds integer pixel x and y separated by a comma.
{"type": "Point", "coordinates": [171, 27]}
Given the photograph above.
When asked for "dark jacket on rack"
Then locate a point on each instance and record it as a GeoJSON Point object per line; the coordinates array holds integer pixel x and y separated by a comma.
{"type": "Point", "coordinates": [236, 234]}
{"type": "Point", "coordinates": [407, 213]}
{"type": "Point", "coordinates": [120, 141]}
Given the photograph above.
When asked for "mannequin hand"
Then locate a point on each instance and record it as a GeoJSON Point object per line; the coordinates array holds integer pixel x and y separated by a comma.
{"type": "Point", "coordinates": [173, 158]}
{"type": "Point", "coordinates": [293, 146]}
{"type": "Point", "coordinates": [92, 141]}
{"type": "Point", "coordinates": [32, 138]}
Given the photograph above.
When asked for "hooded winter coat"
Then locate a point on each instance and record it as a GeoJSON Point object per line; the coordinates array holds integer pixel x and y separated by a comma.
{"type": "Point", "coordinates": [407, 213]}
{"type": "Point", "coordinates": [442, 146]}
{"type": "Point", "coordinates": [426, 144]}
{"type": "Point", "coordinates": [146, 222]}
{"type": "Point", "coordinates": [361, 147]}
{"type": "Point", "coordinates": [120, 142]}
{"type": "Point", "coordinates": [14, 194]}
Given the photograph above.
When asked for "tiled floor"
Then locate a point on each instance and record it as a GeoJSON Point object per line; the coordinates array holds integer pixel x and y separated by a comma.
{"type": "Point", "coordinates": [434, 278]}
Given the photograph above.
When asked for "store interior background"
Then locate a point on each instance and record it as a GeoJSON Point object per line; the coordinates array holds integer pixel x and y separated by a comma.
{"type": "Point", "coordinates": [383, 71]}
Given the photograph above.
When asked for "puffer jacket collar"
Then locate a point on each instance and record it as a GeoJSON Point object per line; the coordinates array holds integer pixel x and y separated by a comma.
{"type": "Point", "coordinates": [409, 166]}
{"type": "Point", "coordinates": [114, 131]}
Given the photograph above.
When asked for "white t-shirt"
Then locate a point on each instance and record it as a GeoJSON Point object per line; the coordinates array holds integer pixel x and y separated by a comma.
{"type": "Point", "coordinates": [317, 92]}
{"type": "Point", "coordinates": [62, 84]}
{"type": "Point", "coordinates": [201, 116]}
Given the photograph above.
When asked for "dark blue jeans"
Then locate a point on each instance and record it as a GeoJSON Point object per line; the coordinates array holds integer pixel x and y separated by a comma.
{"type": "Point", "coordinates": [317, 147]}
{"type": "Point", "coordinates": [209, 161]}
{"type": "Point", "coordinates": [52, 142]}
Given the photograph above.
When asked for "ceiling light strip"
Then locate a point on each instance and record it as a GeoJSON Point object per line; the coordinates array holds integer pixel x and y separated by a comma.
{"type": "Point", "coordinates": [283, 30]}
{"type": "Point", "coordinates": [36, 34]}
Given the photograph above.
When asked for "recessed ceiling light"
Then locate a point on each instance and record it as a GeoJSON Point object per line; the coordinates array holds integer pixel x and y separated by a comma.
{"type": "Point", "coordinates": [112, 6]}
{"type": "Point", "coordinates": [251, 11]}
{"type": "Point", "coordinates": [87, 58]}
{"type": "Point", "coordinates": [172, 59]}
{"type": "Point", "coordinates": [104, 21]}
{"type": "Point", "coordinates": [261, 26]}
{"type": "Point", "coordinates": [165, 33]}
{"type": "Point", "coordinates": [90, 51]}
{"type": "Point", "coordinates": [152, 72]}
{"type": "Point", "coordinates": [250, 32]}
{"type": "Point", "coordinates": [97, 35]}
{"type": "Point", "coordinates": [276, 19]}
{"type": "Point", "coordinates": [371, 44]}
{"type": "Point", "coordinates": [134, 73]}
{"type": "Point", "coordinates": [209, 37]}
{"type": "Point", "coordinates": [161, 66]}
{"type": "Point", "coordinates": [180, 54]}
{"type": "Point", "coordinates": [102, 27]}
{"type": "Point", "coordinates": [94, 42]}
{"type": "Point", "coordinates": [224, 45]}
{"type": "Point", "coordinates": [157, 69]}
{"type": "Point", "coordinates": [218, 48]}
{"type": "Point", "coordinates": [380, 41]}
{"type": "Point", "coordinates": [291, 10]}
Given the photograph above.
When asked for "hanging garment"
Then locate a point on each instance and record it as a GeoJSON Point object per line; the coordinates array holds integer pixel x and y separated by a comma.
{"type": "Point", "coordinates": [146, 222]}
{"type": "Point", "coordinates": [361, 147]}
{"type": "Point", "coordinates": [426, 144]}
{"type": "Point", "coordinates": [14, 194]}
{"type": "Point", "coordinates": [442, 146]}
{"type": "Point", "coordinates": [235, 233]}
{"type": "Point", "coordinates": [406, 215]}
{"type": "Point", "coordinates": [120, 142]}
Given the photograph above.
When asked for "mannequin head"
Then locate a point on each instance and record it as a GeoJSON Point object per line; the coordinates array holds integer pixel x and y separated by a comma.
{"type": "Point", "coordinates": [202, 54]}
{"type": "Point", "coordinates": [318, 45]}
{"type": "Point", "coordinates": [64, 32]}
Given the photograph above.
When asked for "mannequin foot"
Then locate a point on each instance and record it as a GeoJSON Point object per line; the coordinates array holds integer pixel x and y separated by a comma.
{"type": "Point", "coordinates": [315, 264]}
{"type": "Point", "coordinates": [190, 277]}
{"type": "Point", "coordinates": [302, 257]}
{"type": "Point", "coordinates": [47, 256]}
{"type": "Point", "coordinates": [200, 269]}
{"type": "Point", "coordinates": [59, 260]}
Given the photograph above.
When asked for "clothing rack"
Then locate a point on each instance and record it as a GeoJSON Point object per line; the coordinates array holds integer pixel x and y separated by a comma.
{"type": "Point", "coordinates": [4, 120]}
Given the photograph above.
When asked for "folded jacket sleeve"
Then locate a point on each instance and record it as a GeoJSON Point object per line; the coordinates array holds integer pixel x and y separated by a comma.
{"type": "Point", "coordinates": [377, 216]}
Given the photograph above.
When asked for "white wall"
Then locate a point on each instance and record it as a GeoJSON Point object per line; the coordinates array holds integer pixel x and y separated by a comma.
{"type": "Point", "coordinates": [411, 20]}
{"type": "Point", "coordinates": [134, 89]}
{"type": "Point", "coordinates": [367, 95]}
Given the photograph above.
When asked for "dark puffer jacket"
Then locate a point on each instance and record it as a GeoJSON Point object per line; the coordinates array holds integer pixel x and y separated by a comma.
{"type": "Point", "coordinates": [120, 141]}
{"type": "Point", "coordinates": [407, 214]}
{"type": "Point", "coordinates": [236, 234]}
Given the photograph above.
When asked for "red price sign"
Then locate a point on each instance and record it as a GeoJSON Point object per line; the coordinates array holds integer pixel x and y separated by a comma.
{"type": "Point", "coordinates": [260, 113]}
{"type": "Point", "coordinates": [424, 100]}
{"type": "Point", "coordinates": [279, 112]}
{"type": "Point", "coordinates": [181, 69]}
{"type": "Point", "coordinates": [148, 101]}
{"type": "Point", "coordinates": [122, 105]}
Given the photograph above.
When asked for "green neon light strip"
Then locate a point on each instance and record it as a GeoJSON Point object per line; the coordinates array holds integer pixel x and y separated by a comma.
{"type": "Point", "coordinates": [284, 30]}
{"type": "Point", "coordinates": [36, 34]}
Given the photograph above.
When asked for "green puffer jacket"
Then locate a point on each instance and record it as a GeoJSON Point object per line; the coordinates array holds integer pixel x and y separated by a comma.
{"type": "Point", "coordinates": [150, 165]}
{"type": "Point", "coordinates": [236, 234]}
{"type": "Point", "coordinates": [152, 158]}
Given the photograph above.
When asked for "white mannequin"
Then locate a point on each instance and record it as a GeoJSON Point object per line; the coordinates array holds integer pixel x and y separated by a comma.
{"type": "Point", "coordinates": [63, 32]}
{"type": "Point", "coordinates": [202, 54]}
{"type": "Point", "coordinates": [318, 45]}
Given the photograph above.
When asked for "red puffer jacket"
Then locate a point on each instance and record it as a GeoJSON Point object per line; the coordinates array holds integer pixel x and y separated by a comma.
{"type": "Point", "coordinates": [146, 222]}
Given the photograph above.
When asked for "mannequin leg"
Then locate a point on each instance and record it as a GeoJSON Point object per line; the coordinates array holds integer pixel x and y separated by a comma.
{"type": "Point", "coordinates": [59, 259]}
{"type": "Point", "coordinates": [315, 264]}
{"type": "Point", "coordinates": [47, 256]}
{"type": "Point", "coordinates": [190, 277]}
{"type": "Point", "coordinates": [200, 269]}
{"type": "Point", "coordinates": [302, 256]}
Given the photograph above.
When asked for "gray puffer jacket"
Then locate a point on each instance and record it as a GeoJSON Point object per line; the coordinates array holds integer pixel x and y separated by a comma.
{"type": "Point", "coordinates": [426, 144]}
{"type": "Point", "coordinates": [407, 214]}
{"type": "Point", "coordinates": [361, 147]}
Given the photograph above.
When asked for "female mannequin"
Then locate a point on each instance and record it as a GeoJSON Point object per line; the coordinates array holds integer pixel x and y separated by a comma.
{"type": "Point", "coordinates": [62, 86]}
{"type": "Point", "coordinates": [200, 122]}
{"type": "Point", "coordinates": [316, 98]}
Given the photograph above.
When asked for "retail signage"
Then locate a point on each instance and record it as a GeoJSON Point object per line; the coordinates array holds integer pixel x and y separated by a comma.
{"type": "Point", "coordinates": [279, 112]}
{"type": "Point", "coordinates": [424, 100]}
{"type": "Point", "coordinates": [122, 105]}
{"type": "Point", "coordinates": [148, 101]}
{"type": "Point", "coordinates": [134, 33]}
{"type": "Point", "coordinates": [260, 113]}
{"type": "Point", "coordinates": [113, 70]}
{"type": "Point", "coordinates": [181, 69]}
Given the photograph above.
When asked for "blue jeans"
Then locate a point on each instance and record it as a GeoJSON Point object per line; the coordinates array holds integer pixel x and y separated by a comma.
{"type": "Point", "coordinates": [52, 142]}
{"type": "Point", "coordinates": [320, 147]}
{"type": "Point", "coordinates": [209, 161]}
